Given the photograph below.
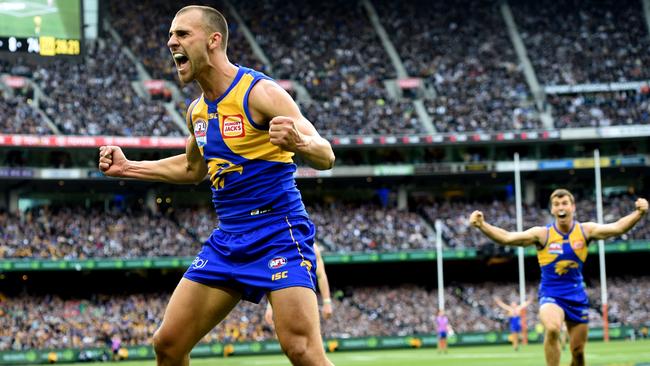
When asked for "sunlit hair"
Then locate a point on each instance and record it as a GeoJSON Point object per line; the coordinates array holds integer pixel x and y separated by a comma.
{"type": "Point", "coordinates": [561, 192]}
{"type": "Point", "coordinates": [213, 21]}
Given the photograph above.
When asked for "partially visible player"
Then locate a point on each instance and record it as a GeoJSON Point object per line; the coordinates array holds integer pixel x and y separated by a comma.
{"type": "Point", "coordinates": [561, 253]}
{"type": "Point", "coordinates": [444, 330]}
{"type": "Point", "coordinates": [323, 288]}
{"type": "Point", "coordinates": [514, 318]}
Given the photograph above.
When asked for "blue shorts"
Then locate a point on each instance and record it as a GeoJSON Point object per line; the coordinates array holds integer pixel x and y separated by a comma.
{"type": "Point", "coordinates": [577, 312]}
{"type": "Point", "coordinates": [273, 257]}
{"type": "Point", "coordinates": [442, 335]}
{"type": "Point", "coordinates": [515, 324]}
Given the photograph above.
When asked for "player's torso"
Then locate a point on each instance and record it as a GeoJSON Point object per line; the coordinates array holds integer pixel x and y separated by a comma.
{"type": "Point", "coordinates": [561, 261]}
{"type": "Point", "coordinates": [252, 179]}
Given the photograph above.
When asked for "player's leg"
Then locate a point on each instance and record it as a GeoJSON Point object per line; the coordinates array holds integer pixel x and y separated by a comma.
{"type": "Point", "coordinates": [193, 310]}
{"type": "Point", "coordinates": [552, 317]}
{"type": "Point", "coordinates": [297, 324]}
{"type": "Point", "coordinates": [515, 341]}
{"type": "Point", "coordinates": [577, 341]}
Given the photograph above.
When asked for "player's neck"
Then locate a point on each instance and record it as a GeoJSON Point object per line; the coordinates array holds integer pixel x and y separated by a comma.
{"type": "Point", "coordinates": [216, 80]}
{"type": "Point", "coordinates": [564, 226]}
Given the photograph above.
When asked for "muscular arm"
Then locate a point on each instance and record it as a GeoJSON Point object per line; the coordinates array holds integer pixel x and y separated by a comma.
{"type": "Point", "coordinates": [624, 224]}
{"type": "Point", "coordinates": [323, 284]}
{"type": "Point", "coordinates": [533, 236]}
{"type": "Point", "coordinates": [180, 169]}
{"type": "Point", "coordinates": [288, 128]}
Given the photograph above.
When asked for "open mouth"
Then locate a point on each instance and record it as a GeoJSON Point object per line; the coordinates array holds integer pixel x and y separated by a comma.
{"type": "Point", "coordinates": [181, 61]}
{"type": "Point", "coordinates": [562, 214]}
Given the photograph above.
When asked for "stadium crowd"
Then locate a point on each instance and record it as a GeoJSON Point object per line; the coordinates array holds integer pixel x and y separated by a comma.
{"type": "Point", "coordinates": [601, 109]}
{"type": "Point", "coordinates": [36, 322]}
{"type": "Point", "coordinates": [75, 232]}
{"type": "Point", "coordinates": [464, 52]}
{"type": "Point", "coordinates": [17, 116]}
{"type": "Point", "coordinates": [80, 233]}
{"type": "Point", "coordinates": [575, 42]}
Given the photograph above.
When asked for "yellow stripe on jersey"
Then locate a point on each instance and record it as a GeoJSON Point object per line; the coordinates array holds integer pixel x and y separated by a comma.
{"type": "Point", "coordinates": [256, 144]}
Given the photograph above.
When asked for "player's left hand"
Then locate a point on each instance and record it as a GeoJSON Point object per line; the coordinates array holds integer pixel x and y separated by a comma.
{"type": "Point", "coordinates": [284, 133]}
{"type": "Point", "coordinates": [642, 205]}
{"type": "Point", "coordinates": [326, 310]}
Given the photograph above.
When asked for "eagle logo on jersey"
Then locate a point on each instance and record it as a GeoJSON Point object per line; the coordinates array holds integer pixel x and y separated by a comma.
{"type": "Point", "coordinates": [562, 267]}
{"type": "Point", "coordinates": [219, 168]}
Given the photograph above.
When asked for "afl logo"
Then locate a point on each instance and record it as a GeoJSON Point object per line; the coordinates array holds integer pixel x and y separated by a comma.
{"type": "Point", "coordinates": [277, 262]}
{"type": "Point", "coordinates": [200, 132]}
{"type": "Point", "coordinates": [200, 128]}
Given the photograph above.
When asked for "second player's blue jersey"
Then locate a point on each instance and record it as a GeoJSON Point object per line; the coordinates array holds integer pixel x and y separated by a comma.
{"type": "Point", "coordinates": [252, 179]}
{"type": "Point", "coordinates": [561, 261]}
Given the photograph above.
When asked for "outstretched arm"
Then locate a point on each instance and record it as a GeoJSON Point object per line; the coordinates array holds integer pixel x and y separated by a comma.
{"type": "Point", "coordinates": [532, 236]}
{"type": "Point", "coordinates": [288, 128]}
{"type": "Point", "coordinates": [180, 169]}
{"type": "Point", "coordinates": [502, 304]}
{"type": "Point", "coordinates": [604, 231]}
{"type": "Point", "coordinates": [323, 284]}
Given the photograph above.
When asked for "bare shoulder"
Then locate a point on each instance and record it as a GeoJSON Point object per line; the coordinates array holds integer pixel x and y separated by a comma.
{"type": "Point", "coordinates": [540, 233]}
{"type": "Point", "coordinates": [267, 99]}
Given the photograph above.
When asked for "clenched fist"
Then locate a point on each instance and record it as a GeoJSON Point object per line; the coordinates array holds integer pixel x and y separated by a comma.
{"type": "Point", "coordinates": [641, 204]}
{"type": "Point", "coordinates": [112, 161]}
{"type": "Point", "coordinates": [284, 133]}
{"type": "Point", "coordinates": [476, 219]}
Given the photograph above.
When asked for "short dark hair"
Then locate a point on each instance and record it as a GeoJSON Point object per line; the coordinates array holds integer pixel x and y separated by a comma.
{"type": "Point", "coordinates": [213, 21]}
{"type": "Point", "coordinates": [561, 192]}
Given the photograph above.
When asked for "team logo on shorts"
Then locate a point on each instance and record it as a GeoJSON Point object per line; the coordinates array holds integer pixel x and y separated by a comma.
{"type": "Point", "coordinates": [199, 263]}
{"type": "Point", "coordinates": [578, 244]}
{"type": "Point", "coordinates": [555, 248]}
{"type": "Point", "coordinates": [201, 132]}
{"type": "Point", "coordinates": [277, 262]}
{"type": "Point", "coordinates": [233, 126]}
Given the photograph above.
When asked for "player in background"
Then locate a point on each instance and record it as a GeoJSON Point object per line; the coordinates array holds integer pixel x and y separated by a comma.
{"type": "Point", "coordinates": [514, 318]}
{"type": "Point", "coordinates": [323, 288]}
{"type": "Point", "coordinates": [444, 330]}
{"type": "Point", "coordinates": [243, 133]}
{"type": "Point", "coordinates": [561, 253]}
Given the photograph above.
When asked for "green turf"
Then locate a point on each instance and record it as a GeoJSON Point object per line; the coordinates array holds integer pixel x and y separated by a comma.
{"type": "Point", "coordinates": [60, 18]}
{"type": "Point", "coordinates": [618, 353]}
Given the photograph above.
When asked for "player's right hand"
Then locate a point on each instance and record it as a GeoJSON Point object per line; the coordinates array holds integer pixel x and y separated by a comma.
{"type": "Point", "coordinates": [642, 205]}
{"type": "Point", "coordinates": [112, 161]}
{"type": "Point", "coordinates": [476, 219]}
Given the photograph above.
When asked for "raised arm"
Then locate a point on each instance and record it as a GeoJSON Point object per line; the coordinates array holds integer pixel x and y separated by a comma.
{"type": "Point", "coordinates": [604, 231]}
{"type": "Point", "coordinates": [502, 304]}
{"type": "Point", "coordinates": [533, 236]}
{"type": "Point", "coordinates": [323, 284]}
{"type": "Point", "coordinates": [288, 128]}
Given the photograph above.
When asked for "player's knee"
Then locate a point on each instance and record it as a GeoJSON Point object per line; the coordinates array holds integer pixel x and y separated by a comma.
{"type": "Point", "coordinates": [578, 351]}
{"type": "Point", "coordinates": [297, 349]}
{"type": "Point", "coordinates": [164, 346]}
{"type": "Point", "coordinates": [553, 331]}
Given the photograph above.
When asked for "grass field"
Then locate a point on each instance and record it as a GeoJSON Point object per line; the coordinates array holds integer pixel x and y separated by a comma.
{"type": "Point", "coordinates": [58, 18]}
{"type": "Point", "coordinates": [619, 353]}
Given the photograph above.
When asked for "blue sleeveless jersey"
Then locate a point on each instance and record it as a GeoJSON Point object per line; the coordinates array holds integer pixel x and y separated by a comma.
{"type": "Point", "coordinates": [252, 179]}
{"type": "Point", "coordinates": [561, 262]}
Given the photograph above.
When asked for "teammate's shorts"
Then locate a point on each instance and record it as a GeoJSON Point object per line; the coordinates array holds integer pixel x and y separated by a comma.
{"type": "Point", "coordinates": [576, 312]}
{"type": "Point", "coordinates": [273, 257]}
{"type": "Point", "coordinates": [442, 335]}
{"type": "Point", "coordinates": [515, 325]}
